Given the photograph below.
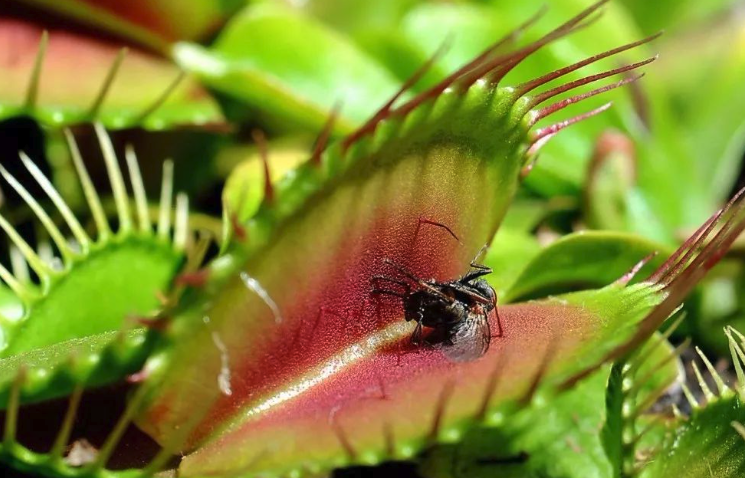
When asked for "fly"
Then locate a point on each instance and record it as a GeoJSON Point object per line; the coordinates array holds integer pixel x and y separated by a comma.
{"type": "Point", "coordinates": [457, 311]}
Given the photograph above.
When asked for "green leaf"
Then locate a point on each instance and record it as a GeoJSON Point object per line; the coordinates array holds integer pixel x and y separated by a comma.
{"type": "Point", "coordinates": [93, 290]}
{"type": "Point", "coordinates": [635, 383]}
{"type": "Point", "coordinates": [711, 442]}
{"type": "Point", "coordinates": [706, 444]}
{"type": "Point", "coordinates": [43, 77]}
{"type": "Point", "coordinates": [719, 146]}
{"type": "Point", "coordinates": [581, 260]}
{"type": "Point", "coordinates": [357, 16]}
{"type": "Point", "coordinates": [509, 253]}
{"type": "Point", "coordinates": [555, 439]}
{"type": "Point", "coordinates": [245, 187]}
{"type": "Point", "coordinates": [611, 176]}
{"type": "Point", "coordinates": [674, 15]}
{"type": "Point", "coordinates": [60, 368]}
{"type": "Point", "coordinates": [142, 266]}
{"type": "Point", "coordinates": [298, 76]}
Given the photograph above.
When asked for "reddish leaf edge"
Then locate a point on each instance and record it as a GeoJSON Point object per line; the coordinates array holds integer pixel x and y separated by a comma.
{"type": "Point", "coordinates": [142, 118]}
{"type": "Point", "coordinates": [682, 271]}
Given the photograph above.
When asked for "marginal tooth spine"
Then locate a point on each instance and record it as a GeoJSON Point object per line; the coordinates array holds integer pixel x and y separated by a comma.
{"type": "Point", "coordinates": [529, 86]}
{"type": "Point", "coordinates": [738, 359]}
{"type": "Point", "coordinates": [42, 270]}
{"type": "Point", "coordinates": [14, 402]}
{"type": "Point", "coordinates": [94, 202]}
{"type": "Point", "coordinates": [639, 360]}
{"type": "Point", "coordinates": [181, 225]}
{"type": "Point", "coordinates": [702, 383]}
{"type": "Point", "coordinates": [166, 200]}
{"type": "Point", "coordinates": [115, 177]}
{"type": "Point", "coordinates": [41, 214]}
{"type": "Point", "coordinates": [63, 436]}
{"type": "Point", "coordinates": [108, 81]}
{"type": "Point", "coordinates": [143, 216]}
{"type": "Point", "coordinates": [19, 265]}
{"type": "Point", "coordinates": [260, 141]}
{"type": "Point", "coordinates": [560, 105]}
{"type": "Point", "coordinates": [72, 222]}
{"type": "Point", "coordinates": [116, 434]}
{"type": "Point", "coordinates": [739, 428]}
{"type": "Point", "coordinates": [639, 383]}
{"type": "Point", "coordinates": [721, 387]}
{"type": "Point", "coordinates": [162, 98]}
{"type": "Point", "coordinates": [33, 86]}
{"type": "Point", "coordinates": [15, 285]}
{"type": "Point", "coordinates": [689, 396]}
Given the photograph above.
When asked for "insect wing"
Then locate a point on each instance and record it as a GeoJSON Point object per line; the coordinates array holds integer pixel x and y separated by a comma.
{"type": "Point", "coordinates": [469, 339]}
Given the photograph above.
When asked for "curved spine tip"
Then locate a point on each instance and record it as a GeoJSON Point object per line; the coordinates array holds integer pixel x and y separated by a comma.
{"type": "Point", "coordinates": [37, 264]}
{"type": "Point", "coordinates": [629, 276]}
{"type": "Point", "coordinates": [63, 436]}
{"type": "Point", "coordinates": [181, 223]}
{"type": "Point", "coordinates": [108, 447]}
{"type": "Point", "coordinates": [560, 105]}
{"type": "Point", "coordinates": [260, 140]}
{"type": "Point", "coordinates": [497, 70]}
{"type": "Point", "coordinates": [89, 190]}
{"type": "Point", "coordinates": [552, 130]}
{"type": "Point", "coordinates": [72, 222]}
{"type": "Point", "coordinates": [14, 404]}
{"type": "Point", "coordinates": [17, 286]}
{"type": "Point", "coordinates": [738, 359]}
{"type": "Point", "coordinates": [739, 428]}
{"type": "Point", "coordinates": [108, 81]}
{"type": "Point", "coordinates": [708, 394]}
{"type": "Point", "coordinates": [135, 179]}
{"type": "Point", "coordinates": [528, 86]}
{"type": "Point", "coordinates": [162, 98]}
{"type": "Point", "coordinates": [440, 409]}
{"type": "Point", "coordinates": [385, 111]}
{"type": "Point", "coordinates": [32, 92]}
{"type": "Point", "coordinates": [323, 137]}
{"type": "Point", "coordinates": [692, 402]}
{"type": "Point", "coordinates": [115, 178]}
{"type": "Point", "coordinates": [41, 214]}
{"type": "Point", "coordinates": [166, 200]}
{"type": "Point", "coordinates": [721, 387]}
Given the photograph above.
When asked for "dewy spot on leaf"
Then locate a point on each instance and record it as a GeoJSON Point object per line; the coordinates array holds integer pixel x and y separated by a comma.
{"type": "Point", "coordinates": [254, 285]}
{"type": "Point", "coordinates": [223, 380]}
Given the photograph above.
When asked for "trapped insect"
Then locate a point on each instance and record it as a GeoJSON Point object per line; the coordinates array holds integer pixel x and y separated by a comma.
{"type": "Point", "coordinates": [457, 310]}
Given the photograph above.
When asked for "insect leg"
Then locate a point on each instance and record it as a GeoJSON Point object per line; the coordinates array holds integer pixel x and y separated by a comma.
{"type": "Point", "coordinates": [480, 269]}
{"type": "Point", "coordinates": [416, 337]}
{"type": "Point", "coordinates": [422, 283]}
{"type": "Point", "coordinates": [499, 321]}
{"type": "Point", "coordinates": [434, 223]}
{"type": "Point", "coordinates": [401, 269]}
{"type": "Point", "coordinates": [376, 281]}
{"type": "Point", "coordinates": [388, 292]}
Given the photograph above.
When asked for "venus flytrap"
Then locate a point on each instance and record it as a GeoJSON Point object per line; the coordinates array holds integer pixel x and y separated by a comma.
{"type": "Point", "coordinates": [275, 358]}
